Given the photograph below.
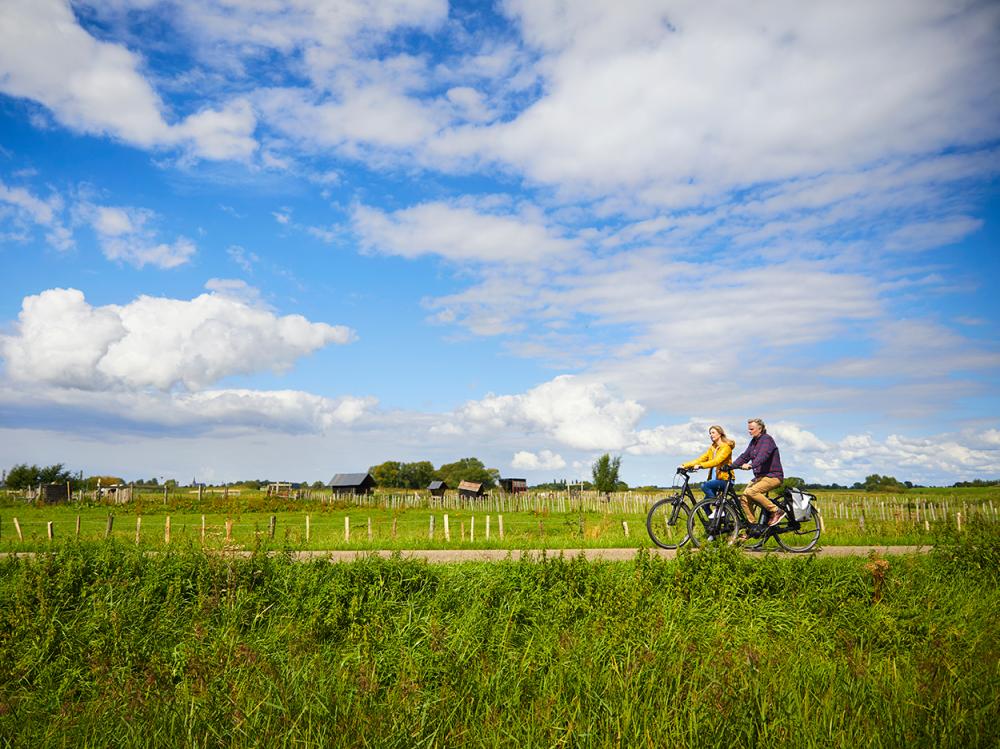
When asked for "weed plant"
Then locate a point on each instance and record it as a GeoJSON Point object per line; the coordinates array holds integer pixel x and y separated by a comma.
{"type": "Point", "coordinates": [103, 645]}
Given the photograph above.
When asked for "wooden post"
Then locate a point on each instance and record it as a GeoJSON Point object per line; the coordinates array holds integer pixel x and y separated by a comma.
{"type": "Point", "coordinates": [229, 529]}
{"type": "Point", "coordinates": [625, 528]}
{"type": "Point", "coordinates": [270, 526]}
{"type": "Point", "coordinates": [17, 527]}
{"type": "Point", "coordinates": [200, 487]}
{"type": "Point", "coordinates": [487, 527]}
{"type": "Point", "coordinates": [347, 529]}
{"type": "Point", "coordinates": [166, 530]}
{"type": "Point", "coordinates": [203, 529]}
{"type": "Point", "coordinates": [77, 526]}
{"type": "Point", "coordinates": [472, 530]}
{"type": "Point", "coordinates": [138, 527]}
{"type": "Point", "coordinates": [69, 493]}
{"type": "Point", "coordinates": [430, 532]}
{"type": "Point", "coordinates": [462, 523]}
{"type": "Point", "coordinates": [447, 529]}
{"type": "Point", "coordinates": [307, 528]}
{"type": "Point", "coordinates": [110, 525]}
{"type": "Point", "coordinates": [500, 525]}
{"type": "Point", "coordinates": [822, 526]}
{"type": "Point", "coordinates": [927, 525]}
{"type": "Point", "coordinates": [164, 494]}
{"type": "Point", "coordinates": [48, 528]}
{"type": "Point", "coordinates": [958, 518]}
{"type": "Point", "coordinates": [394, 528]}
{"type": "Point", "coordinates": [369, 529]}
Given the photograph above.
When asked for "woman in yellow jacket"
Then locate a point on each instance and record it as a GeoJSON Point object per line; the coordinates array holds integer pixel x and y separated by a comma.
{"type": "Point", "coordinates": [719, 453]}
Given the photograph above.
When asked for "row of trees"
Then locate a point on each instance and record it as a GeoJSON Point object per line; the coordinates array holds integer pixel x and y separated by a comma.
{"type": "Point", "coordinates": [398, 475]}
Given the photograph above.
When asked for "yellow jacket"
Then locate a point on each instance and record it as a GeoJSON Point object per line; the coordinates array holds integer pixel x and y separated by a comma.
{"type": "Point", "coordinates": [712, 458]}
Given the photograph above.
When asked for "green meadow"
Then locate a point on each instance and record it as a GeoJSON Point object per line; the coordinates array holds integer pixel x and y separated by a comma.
{"type": "Point", "coordinates": [103, 644]}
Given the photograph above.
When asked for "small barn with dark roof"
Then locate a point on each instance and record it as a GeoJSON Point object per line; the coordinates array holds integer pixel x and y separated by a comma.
{"type": "Point", "coordinates": [352, 483]}
{"type": "Point", "coordinates": [514, 486]}
{"type": "Point", "coordinates": [437, 488]}
{"type": "Point", "coordinates": [470, 489]}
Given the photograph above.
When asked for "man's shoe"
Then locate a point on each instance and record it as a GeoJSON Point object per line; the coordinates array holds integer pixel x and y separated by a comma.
{"type": "Point", "coordinates": [776, 518]}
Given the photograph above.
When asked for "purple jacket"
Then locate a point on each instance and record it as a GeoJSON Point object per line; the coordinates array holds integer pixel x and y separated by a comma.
{"type": "Point", "coordinates": [762, 453]}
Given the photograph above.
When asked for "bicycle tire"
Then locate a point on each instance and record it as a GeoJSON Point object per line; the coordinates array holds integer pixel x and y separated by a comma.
{"type": "Point", "coordinates": [803, 538]}
{"type": "Point", "coordinates": [703, 530]}
{"type": "Point", "coordinates": [667, 521]}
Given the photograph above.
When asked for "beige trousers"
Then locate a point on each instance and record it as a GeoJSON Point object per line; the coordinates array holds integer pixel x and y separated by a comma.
{"type": "Point", "coordinates": [756, 491]}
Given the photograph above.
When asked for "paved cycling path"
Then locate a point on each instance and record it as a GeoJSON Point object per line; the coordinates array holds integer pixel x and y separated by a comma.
{"type": "Point", "coordinates": [608, 555]}
{"type": "Point", "coordinates": [452, 556]}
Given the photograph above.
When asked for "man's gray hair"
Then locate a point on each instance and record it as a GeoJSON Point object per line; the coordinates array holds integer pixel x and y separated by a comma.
{"type": "Point", "coordinates": [759, 422]}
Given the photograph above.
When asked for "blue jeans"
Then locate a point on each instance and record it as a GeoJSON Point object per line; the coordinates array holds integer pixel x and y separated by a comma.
{"type": "Point", "coordinates": [711, 487]}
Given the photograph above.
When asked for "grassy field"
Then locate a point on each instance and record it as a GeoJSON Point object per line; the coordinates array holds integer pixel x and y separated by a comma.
{"type": "Point", "coordinates": [404, 522]}
{"type": "Point", "coordinates": [102, 645]}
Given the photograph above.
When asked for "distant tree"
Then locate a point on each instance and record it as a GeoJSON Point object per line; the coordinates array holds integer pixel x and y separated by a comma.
{"type": "Point", "coordinates": [469, 469]}
{"type": "Point", "coordinates": [318, 484]}
{"type": "Point", "coordinates": [387, 474]}
{"type": "Point", "coordinates": [876, 483]}
{"type": "Point", "coordinates": [605, 473]}
{"type": "Point", "coordinates": [22, 475]}
{"type": "Point", "coordinates": [416, 475]}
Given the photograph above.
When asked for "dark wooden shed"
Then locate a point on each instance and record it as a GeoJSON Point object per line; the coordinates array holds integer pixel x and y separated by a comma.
{"type": "Point", "coordinates": [514, 486]}
{"type": "Point", "coordinates": [352, 483]}
{"type": "Point", "coordinates": [470, 489]}
{"type": "Point", "coordinates": [437, 488]}
{"type": "Point", "coordinates": [52, 493]}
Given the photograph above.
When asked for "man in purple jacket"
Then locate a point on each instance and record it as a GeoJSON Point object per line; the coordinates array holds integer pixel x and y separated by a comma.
{"type": "Point", "coordinates": [762, 456]}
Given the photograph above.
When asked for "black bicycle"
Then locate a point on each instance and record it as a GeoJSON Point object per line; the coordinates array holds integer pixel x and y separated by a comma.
{"type": "Point", "coordinates": [667, 519]}
{"type": "Point", "coordinates": [721, 520]}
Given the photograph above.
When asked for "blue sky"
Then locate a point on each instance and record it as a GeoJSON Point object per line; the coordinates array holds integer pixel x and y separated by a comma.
{"type": "Point", "coordinates": [286, 240]}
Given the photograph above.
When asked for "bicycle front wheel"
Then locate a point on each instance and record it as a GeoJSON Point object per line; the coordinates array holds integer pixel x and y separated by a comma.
{"type": "Point", "coordinates": [799, 535]}
{"type": "Point", "coordinates": [667, 522]}
{"type": "Point", "coordinates": [709, 524]}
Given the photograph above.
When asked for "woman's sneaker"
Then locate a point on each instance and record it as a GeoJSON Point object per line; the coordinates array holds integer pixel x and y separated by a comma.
{"type": "Point", "coordinates": [776, 518]}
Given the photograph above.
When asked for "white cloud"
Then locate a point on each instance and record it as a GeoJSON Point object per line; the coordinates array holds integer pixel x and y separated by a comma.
{"type": "Point", "coordinates": [30, 209]}
{"type": "Point", "coordinates": [720, 97]}
{"type": "Point", "coordinates": [575, 412]}
{"type": "Point", "coordinates": [459, 233]}
{"type": "Point", "coordinates": [543, 460]}
{"type": "Point", "coordinates": [153, 342]}
{"type": "Point", "coordinates": [125, 235]}
{"type": "Point", "coordinates": [98, 87]}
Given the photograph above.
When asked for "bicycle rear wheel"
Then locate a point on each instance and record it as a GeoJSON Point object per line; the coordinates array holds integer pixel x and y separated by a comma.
{"type": "Point", "coordinates": [667, 522]}
{"type": "Point", "coordinates": [708, 524]}
{"type": "Point", "coordinates": [799, 535]}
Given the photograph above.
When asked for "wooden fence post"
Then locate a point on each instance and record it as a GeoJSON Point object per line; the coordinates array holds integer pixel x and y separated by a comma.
{"type": "Point", "coordinates": [394, 528]}
{"type": "Point", "coordinates": [430, 532]}
{"type": "Point", "coordinates": [500, 525]}
{"type": "Point", "coordinates": [625, 527]}
{"type": "Point", "coordinates": [958, 518]}
{"type": "Point", "coordinates": [138, 527]}
{"type": "Point", "coordinates": [109, 526]}
{"type": "Point", "coordinates": [487, 527]}
{"type": "Point", "coordinates": [77, 526]}
{"type": "Point", "coordinates": [307, 529]}
{"type": "Point", "coordinates": [49, 529]}
{"type": "Point", "coordinates": [166, 530]}
{"type": "Point", "coordinates": [472, 530]}
{"type": "Point", "coordinates": [347, 529]}
{"type": "Point", "coordinates": [270, 526]}
{"type": "Point", "coordinates": [203, 529]}
{"type": "Point", "coordinates": [447, 529]}
{"type": "Point", "coordinates": [369, 529]}
{"type": "Point", "coordinates": [229, 529]}
{"type": "Point", "coordinates": [17, 527]}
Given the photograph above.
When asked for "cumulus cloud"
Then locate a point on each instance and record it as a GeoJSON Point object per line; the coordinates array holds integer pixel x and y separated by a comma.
{"type": "Point", "coordinates": [459, 233]}
{"type": "Point", "coordinates": [154, 342]}
{"type": "Point", "coordinates": [98, 87]}
{"type": "Point", "coordinates": [543, 460]}
{"type": "Point", "coordinates": [575, 412]}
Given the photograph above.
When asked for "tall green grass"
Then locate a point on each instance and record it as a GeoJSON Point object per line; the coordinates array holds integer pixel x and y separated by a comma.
{"type": "Point", "coordinates": [102, 645]}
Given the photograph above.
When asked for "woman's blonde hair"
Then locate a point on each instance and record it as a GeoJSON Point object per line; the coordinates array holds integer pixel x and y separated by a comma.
{"type": "Point", "coordinates": [722, 435]}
